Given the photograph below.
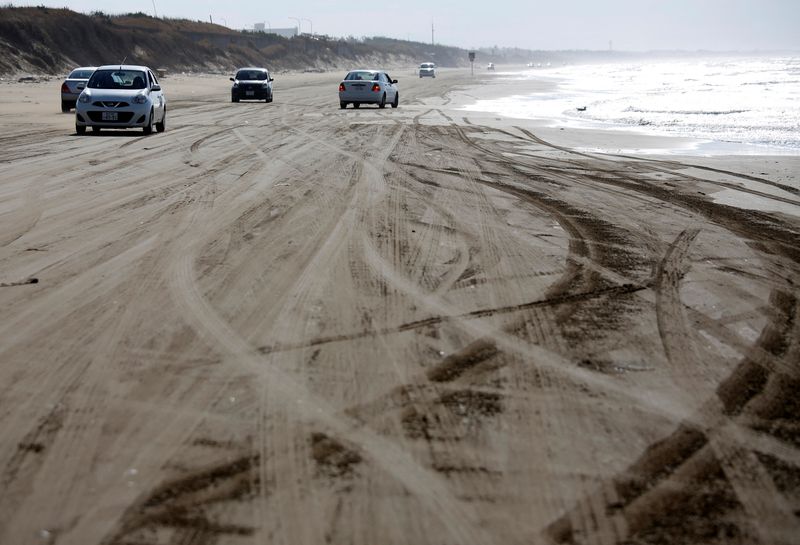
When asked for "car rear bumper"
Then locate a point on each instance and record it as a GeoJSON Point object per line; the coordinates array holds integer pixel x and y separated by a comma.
{"type": "Point", "coordinates": [362, 97]}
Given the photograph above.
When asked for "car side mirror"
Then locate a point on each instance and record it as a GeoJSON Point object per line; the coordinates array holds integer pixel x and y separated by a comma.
{"type": "Point", "coordinates": [271, 78]}
{"type": "Point", "coordinates": [394, 81]}
{"type": "Point", "coordinates": [231, 79]}
{"type": "Point", "coordinates": [155, 88]}
{"type": "Point", "coordinates": [81, 86]}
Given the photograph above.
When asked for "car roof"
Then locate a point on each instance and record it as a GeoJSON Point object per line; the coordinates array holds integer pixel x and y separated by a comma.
{"type": "Point", "coordinates": [83, 68]}
{"type": "Point", "coordinates": [122, 67]}
{"type": "Point", "coordinates": [252, 68]}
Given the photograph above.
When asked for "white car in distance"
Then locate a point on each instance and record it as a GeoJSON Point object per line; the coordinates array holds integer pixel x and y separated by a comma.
{"type": "Point", "coordinates": [427, 70]}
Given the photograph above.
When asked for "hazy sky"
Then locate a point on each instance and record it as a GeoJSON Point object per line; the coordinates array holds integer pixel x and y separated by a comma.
{"type": "Point", "coordinates": [548, 24]}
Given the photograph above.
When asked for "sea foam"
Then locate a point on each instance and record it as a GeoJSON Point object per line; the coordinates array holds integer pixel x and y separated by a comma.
{"type": "Point", "coordinates": [751, 101]}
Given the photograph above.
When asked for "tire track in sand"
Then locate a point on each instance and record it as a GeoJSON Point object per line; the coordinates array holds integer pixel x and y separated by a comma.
{"type": "Point", "coordinates": [279, 385]}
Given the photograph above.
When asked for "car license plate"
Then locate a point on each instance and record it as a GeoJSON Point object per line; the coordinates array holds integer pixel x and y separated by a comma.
{"type": "Point", "coordinates": [249, 93]}
{"type": "Point", "coordinates": [109, 116]}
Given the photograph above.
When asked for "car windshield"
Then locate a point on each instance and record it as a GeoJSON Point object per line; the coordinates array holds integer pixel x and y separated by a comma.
{"type": "Point", "coordinates": [361, 76]}
{"type": "Point", "coordinates": [426, 65]}
{"type": "Point", "coordinates": [80, 74]}
{"type": "Point", "coordinates": [250, 75]}
{"type": "Point", "coordinates": [117, 79]}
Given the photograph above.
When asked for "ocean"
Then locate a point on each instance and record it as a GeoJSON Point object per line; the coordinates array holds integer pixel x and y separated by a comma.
{"type": "Point", "coordinates": [751, 103]}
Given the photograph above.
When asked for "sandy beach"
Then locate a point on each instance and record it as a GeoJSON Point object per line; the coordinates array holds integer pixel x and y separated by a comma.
{"type": "Point", "coordinates": [292, 324]}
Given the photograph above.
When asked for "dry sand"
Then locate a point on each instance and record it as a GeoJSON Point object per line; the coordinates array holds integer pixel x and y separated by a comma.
{"type": "Point", "coordinates": [289, 324]}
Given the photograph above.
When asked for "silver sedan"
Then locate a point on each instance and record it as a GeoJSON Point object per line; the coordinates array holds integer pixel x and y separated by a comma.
{"type": "Point", "coordinates": [73, 85]}
{"type": "Point", "coordinates": [368, 87]}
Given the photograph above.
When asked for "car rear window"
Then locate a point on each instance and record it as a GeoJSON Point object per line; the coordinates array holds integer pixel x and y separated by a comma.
{"type": "Point", "coordinates": [117, 79]}
{"type": "Point", "coordinates": [361, 76]}
{"type": "Point", "coordinates": [81, 74]}
{"type": "Point", "coordinates": [250, 75]}
{"type": "Point", "coordinates": [426, 65]}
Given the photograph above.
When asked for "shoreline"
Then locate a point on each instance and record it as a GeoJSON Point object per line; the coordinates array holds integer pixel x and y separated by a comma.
{"type": "Point", "coordinates": [780, 169]}
{"type": "Point", "coordinates": [544, 98]}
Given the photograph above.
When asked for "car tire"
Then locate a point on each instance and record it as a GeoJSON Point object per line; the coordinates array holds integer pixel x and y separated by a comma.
{"type": "Point", "coordinates": [356, 105]}
{"type": "Point", "coordinates": [234, 99]}
{"type": "Point", "coordinates": [342, 105]}
{"type": "Point", "coordinates": [382, 103]}
{"type": "Point", "coordinates": [162, 126]}
{"type": "Point", "coordinates": [396, 101]}
{"type": "Point", "coordinates": [80, 129]}
{"type": "Point", "coordinates": [148, 129]}
{"type": "Point", "coordinates": [65, 106]}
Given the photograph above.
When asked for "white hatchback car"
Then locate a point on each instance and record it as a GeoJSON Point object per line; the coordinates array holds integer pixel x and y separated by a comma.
{"type": "Point", "coordinates": [121, 97]}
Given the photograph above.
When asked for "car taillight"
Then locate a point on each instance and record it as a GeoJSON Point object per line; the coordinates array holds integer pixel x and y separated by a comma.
{"type": "Point", "coordinates": [341, 86]}
{"type": "Point", "coordinates": [376, 87]}
{"type": "Point", "coordinates": [65, 88]}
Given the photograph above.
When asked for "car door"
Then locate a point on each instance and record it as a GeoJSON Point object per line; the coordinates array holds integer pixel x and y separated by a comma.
{"type": "Point", "coordinates": [392, 90]}
{"type": "Point", "coordinates": [156, 95]}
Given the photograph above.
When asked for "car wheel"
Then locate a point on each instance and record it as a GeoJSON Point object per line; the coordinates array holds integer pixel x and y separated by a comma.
{"type": "Point", "coordinates": [162, 126]}
{"type": "Point", "coordinates": [80, 129]}
{"type": "Point", "coordinates": [148, 129]}
{"type": "Point", "coordinates": [356, 105]}
{"type": "Point", "coordinates": [396, 101]}
{"type": "Point", "coordinates": [64, 106]}
{"type": "Point", "coordinates": [342, 105]}
{"type": "Point", "coordinates": [234, 99]}
{"type": "Point", "coordinates": [382, 103]}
